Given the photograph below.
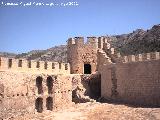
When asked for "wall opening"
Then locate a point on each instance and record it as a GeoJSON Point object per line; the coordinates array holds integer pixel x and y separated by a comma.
{"type": "Point", "coordinates": [0, 61]}
{"type": "Point", "coordinates": [29, 64]}
{"type": "Point", "coordinates": [50, 84]}
{"type": "Point", "coordinates": [49, 103]}
{"type": "Point", "coordinates": [20, 63]}
{"type": "Point", "coordinates": [60, 65]}
{"type": "Point", "coordinates": [38, 64]}
{"type": "Point", "coordinates": [53, 66]}
{"type": "Point", "coordinates": [45, 65]}
{"type": "Point", "coordinates": [39, 105]}
{"type": "Point", "coordinates": [10, 63]}
{"type": "Point", "coordinates": [87, 69]}
{"type": "Point", "coordinates": [39, 84]}
{"type": "Point", "coordinates": [66, 66]}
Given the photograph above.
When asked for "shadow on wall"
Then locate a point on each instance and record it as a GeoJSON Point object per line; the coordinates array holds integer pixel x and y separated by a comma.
{"type": "Point", "coordinates": [1, 93]}
{"type": "Point", "coordinates": [87, 89]}
{"type": "Point", "coordinates": [39, 84]}
{"type": "Point", "coordinates": [94, 83]}
{"type": "Point", "coordinates": [50, 84]}
{"type": "Point", "coordinates": [49, 100]}
{"type": "Point", "coordinates": [49, 103]}
{"type": "Point", "coordinates": [39, 105]}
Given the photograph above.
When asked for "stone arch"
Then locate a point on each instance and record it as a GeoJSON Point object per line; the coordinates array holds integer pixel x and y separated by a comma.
{"type": "Point", "coordinates": [39, 105]}
{"type": "Point", "coordinates": [39, 84]}
{"type": "Point", "coordinates": [49, 103]}
{"type": "Point", "coordinates": [50, 84]}
{"type": "Point", "coordinates": [87, 68]}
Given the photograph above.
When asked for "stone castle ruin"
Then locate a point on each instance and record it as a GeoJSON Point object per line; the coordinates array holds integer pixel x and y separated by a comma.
{"type": "Point", "coordinates": [94, 71]}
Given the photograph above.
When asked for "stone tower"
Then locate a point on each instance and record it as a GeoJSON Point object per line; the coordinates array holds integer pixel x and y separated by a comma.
{"type": "Point", "coordinates": [82, 56]}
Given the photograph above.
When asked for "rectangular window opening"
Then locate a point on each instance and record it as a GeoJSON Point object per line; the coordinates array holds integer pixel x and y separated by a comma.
{"type": "Point", "coordinates": [29, 64]}
{"type": "Point", "coordinates": [0, 61]}
{"type": "Point", "coordinates": [66, 66]}
{"type": "Point", "coordinates": [10, 63]}
{"type": "Point", "coordinates": [53, 66]}
{"type": "Point", "coordinates": [45, 65]}
{"type": "Point", "coordinates": [38, 65]}
{"type": "Point", "coordinates": [20, 63]}
{"type": "Point", "coordinates": [60, 66]}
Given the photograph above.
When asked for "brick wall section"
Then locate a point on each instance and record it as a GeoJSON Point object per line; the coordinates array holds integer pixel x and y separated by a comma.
{"type": "Point", "coordinates": [137, 82]}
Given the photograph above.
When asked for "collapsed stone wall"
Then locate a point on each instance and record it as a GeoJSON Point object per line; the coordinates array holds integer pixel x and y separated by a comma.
{"type": "Point", "coordinates": [26, 93]}
{"type": "Point", "coordinates": [132, 82]}
{"type": "Point", "coordinates": [86, 88]}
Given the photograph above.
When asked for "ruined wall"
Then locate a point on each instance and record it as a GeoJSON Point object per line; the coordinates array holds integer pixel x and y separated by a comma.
{"type": "Point", "coordinates": [135, 82]}
{"type": "Point", "coordinates": [85, 87]}
{"type": "Point", "coordinates": [32, 93]}
{"type": "Point", "coordinates": [33, 66]}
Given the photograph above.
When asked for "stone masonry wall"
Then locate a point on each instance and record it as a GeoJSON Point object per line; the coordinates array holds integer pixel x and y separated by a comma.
{"type": "Point", "coordinates": [26, 92]}
{"type": "Point", "coordinates": [79, 54]}
{"type": "Point", "coordinates": [33, 66]}
{"type": "Point", "coordinates": [87, 86]}
{"type": "Point", "coordinates": [132, 82]}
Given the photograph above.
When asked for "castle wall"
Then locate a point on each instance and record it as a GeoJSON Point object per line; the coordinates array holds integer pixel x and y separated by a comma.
{"type": "Point", "coordinates": [134, 81]}
{"type": "Point", "coordinates": [33, 66]}
{"type": "Point", "coordinates": [20, 91]}
{"type": "Point", "coordinates": [138, 57]}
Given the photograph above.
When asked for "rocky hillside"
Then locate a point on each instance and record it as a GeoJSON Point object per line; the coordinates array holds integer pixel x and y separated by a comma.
{"type": "Point", "coordinates": [57, 53]}
{"type": "Point", "coordinates": [6, 54]}
{"type": "Point", "coordinates": [139, 41]}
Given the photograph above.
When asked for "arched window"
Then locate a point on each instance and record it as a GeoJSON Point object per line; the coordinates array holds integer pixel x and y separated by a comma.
{"type": "Point", "coordinates": [49, 103]}
{"type": "Point", "coordinates": [39, 104]}
{"type": "Point", "coordinates": [50, 84]}
{"type": "Point", "coordinates": [39, 84]}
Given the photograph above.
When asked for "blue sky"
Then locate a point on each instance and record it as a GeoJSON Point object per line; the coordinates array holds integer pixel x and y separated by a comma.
{"type": "Point", "coordinates": [28, 28]}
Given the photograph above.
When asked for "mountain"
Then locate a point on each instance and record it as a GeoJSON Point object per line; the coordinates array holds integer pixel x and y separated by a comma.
{"type": "Point", "coordinates": [139, 41]}
{"type": "Point", "coordinates": [57, 53]}
{"type": "Point", "coordinates": [6, 54]}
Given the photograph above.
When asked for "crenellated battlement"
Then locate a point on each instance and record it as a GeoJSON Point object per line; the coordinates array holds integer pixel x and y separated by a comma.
{"type": "Point", "coordinates": [139, 57]}
{"type": "Point", "coordinates": [33, 66]}
{"type": "Point", "coordinates": [99, 42]}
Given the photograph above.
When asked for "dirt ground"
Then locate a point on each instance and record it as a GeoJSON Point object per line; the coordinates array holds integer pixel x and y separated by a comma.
{"type": "Point", "coordinates": [96, 111]}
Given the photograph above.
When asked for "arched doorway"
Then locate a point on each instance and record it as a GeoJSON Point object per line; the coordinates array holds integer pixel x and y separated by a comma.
{"type": "Point", "coordinates": [87, 69]}
{"type": "Point", "coordinates": [39, 105]}
{"type": "Point", "coordinates": [39, 84]}
{"type": "Point", "coordinates": [49, 103]}
{"type": "Point", "coordinates": [50, 84]}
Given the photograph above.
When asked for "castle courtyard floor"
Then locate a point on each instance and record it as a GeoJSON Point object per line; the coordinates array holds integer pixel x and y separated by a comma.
{"type": "Point", "coordinates": [96, 111]}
